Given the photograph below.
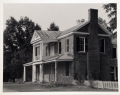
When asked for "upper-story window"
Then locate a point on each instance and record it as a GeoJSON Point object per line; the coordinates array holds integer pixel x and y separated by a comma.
{"type": "Point", "coordinates": [59, 45]}
{"type": "Point", "coordinates": [52, 50]}
{"type": "Point", "coordinates": [67, 45]}
{"type": "Point", "coordinates": [46, 49]}
{"type": "Point", "coordinates": [82, 44]}
{"type": "Point", "coordinates": [114, 53]}
{"type": "Point", "coordinates": [37, 51]}
{"type": "Point", "coordinates": [102, 45]}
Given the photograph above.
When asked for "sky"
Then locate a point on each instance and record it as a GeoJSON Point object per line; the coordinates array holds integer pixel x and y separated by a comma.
{"type": "Point", "coordinates": [63, 15]}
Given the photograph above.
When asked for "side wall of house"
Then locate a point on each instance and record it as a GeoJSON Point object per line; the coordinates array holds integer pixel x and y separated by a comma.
{"type": "Point", "coordinates": [105, 60]}
{"type": "Point", "coordinates": [63, 45]}
{"type": "Point", "coordinates": [80, 60]}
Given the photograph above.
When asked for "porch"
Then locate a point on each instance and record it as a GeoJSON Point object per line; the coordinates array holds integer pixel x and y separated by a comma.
{"type": "Point", "coordinates": [60, 71]}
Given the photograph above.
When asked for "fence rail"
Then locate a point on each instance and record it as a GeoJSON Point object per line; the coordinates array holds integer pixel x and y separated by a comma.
{"type": "Point", "coordinates": [106, 84]}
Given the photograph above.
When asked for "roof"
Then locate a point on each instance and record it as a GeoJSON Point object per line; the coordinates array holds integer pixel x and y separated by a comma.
{"type": "Point", "coordinates": [74, 28]}
{"type": "Point", "coordinates": [58, 57]}
{"type": "Point", "coordinates": [47, 34]}
{"type": "Point", "coordinates": [52, 36]}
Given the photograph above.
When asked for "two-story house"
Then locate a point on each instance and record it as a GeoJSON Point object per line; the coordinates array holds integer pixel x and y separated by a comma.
{"type": "Point", "coordinates": [59, 55]}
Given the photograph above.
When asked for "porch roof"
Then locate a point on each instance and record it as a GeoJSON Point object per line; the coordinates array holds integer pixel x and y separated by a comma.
{"type": "Point", "coordinates": [64, 57]}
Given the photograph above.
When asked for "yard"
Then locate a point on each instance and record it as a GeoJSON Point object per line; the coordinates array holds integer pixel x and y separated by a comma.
{"type": "Point", "coordinates": [14, 87]}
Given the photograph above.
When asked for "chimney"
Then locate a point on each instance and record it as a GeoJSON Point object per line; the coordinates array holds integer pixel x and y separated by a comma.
{"type": "Point", "coordinates": [93, 18]}
{"type": "Point", "coordinates": [93, 15]}
{"type": "Point", "coordinates": [93, 45]}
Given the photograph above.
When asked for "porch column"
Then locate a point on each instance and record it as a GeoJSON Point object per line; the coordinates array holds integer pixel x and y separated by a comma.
{"type": "Point", "coordinates": [24, 74]}
{"type": "Point", "coordinates": [33, 73]}
{"type": "Point", "coordinates": [33, 52]}
{"type": "Point", "coordinates": [41, 73]}
{"type": "Point", "coordinates": [55, 71]}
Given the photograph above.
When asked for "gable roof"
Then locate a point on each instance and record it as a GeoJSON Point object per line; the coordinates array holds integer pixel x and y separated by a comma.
{"type": "Point", "coordinates": [43, 35]}
{"type": "Point", "coordinates": [47, 34]}
{"type": "Point", "coordinates": [53, 35]}
{"type": "Point", "coordinates": [74, 28]}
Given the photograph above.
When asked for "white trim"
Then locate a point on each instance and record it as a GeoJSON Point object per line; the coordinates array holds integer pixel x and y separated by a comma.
{"type": "Point", "coordinates": [84, 45]}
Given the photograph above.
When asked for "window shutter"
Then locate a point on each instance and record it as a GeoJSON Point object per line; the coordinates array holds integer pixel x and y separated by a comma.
{"type": "Point", "coordinates": [86, 44]}
{"type": "Point", "coordinates": [77, 44]}
{"type": "Point", "coordinates": [65, 45]}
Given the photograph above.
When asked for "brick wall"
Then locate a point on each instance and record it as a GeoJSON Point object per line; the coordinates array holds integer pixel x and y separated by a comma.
{"type": "Point", "coordinates": [105, 60]}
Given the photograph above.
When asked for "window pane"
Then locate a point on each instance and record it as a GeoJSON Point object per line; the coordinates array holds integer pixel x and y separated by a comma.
{"type": "Point", "coordinates": [81, 44]}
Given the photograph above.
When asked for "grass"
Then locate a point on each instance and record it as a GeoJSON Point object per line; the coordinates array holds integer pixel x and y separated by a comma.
{"type": "Point", "coordinates": [12, 87]}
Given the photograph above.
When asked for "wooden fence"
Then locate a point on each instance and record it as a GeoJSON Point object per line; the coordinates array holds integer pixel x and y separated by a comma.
{"type": "Point", "coordinates": [105, 84]}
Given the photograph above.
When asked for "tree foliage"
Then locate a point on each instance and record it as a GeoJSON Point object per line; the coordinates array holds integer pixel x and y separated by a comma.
{"type": "Point", "coordinates": [17, 47]}
{"type": "Point", "coordinates": [111, 9]}
{"type": "Point", "coordinates": [53, 27]}
{"type": "Point", "coordinates": [103, 23]}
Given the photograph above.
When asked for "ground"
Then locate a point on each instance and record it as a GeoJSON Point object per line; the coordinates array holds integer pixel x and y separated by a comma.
{"type": "Point", "coordinates": [15, 87]}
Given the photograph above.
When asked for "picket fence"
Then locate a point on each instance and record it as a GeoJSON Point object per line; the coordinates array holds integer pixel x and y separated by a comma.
{"type": "Point", "coordinates": [105, 84]}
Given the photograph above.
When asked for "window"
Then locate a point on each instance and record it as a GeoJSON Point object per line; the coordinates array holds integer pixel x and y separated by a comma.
{"type": "Point", "coordinates": [67, 45]}
{"type": "Point", "coordinates": [114, 52]}
{"type": "Point", "coordinates": [102, 45]}
{"type": "Point", "coordinates": [67, 69]}
{"type": "Point", "coordinates": [37, 51]}
{"type": "Point", "coordinates": [46, 50]}
{"type": "Point", "coordinates": [52, 52]}
{"type": "Point", "coordinates": [59, 47]}
{"type": "Point", "coordinates": [81, 44]}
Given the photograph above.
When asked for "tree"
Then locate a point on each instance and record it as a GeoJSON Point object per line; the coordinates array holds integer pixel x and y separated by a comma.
{"type": "Point", "coordinates": [53, 27]}
{"type": "Point", "coordinates": [103, 23]}
{"type": "Point", "coordinates": [111, 9]}
{"type": "Point", "coordinates": [80, 21]}
{"type": "Point", "coordinates": [17, 47]}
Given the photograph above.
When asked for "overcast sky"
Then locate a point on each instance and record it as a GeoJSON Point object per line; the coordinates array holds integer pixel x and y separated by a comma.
{"type": "Point", "coordinates": [64, 15]}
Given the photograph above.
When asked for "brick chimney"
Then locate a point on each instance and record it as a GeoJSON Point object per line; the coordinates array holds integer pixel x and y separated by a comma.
{"type": "Point", "coordinates": [93, 56]}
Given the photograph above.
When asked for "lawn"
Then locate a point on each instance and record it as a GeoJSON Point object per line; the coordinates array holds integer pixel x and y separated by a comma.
{"type": "Point", "coordinates": [14, 87]}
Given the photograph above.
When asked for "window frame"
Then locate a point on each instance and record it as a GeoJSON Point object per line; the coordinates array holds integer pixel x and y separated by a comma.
{"type": "Point", "coordinates": [84, 44]}
{"type": "Point", "coordinates": [100, 45]}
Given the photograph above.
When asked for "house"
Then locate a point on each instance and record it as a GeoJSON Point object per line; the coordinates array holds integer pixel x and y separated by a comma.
{"type": "Point", "coordinates": [84, 49]}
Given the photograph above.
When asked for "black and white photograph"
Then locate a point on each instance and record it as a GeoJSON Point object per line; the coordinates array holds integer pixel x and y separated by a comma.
{"type": "Point", "coordinates": [60, 47]}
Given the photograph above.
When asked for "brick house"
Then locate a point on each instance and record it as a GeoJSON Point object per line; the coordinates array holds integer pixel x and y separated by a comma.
{"type": "Point", "coordinates": [60, 55]}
